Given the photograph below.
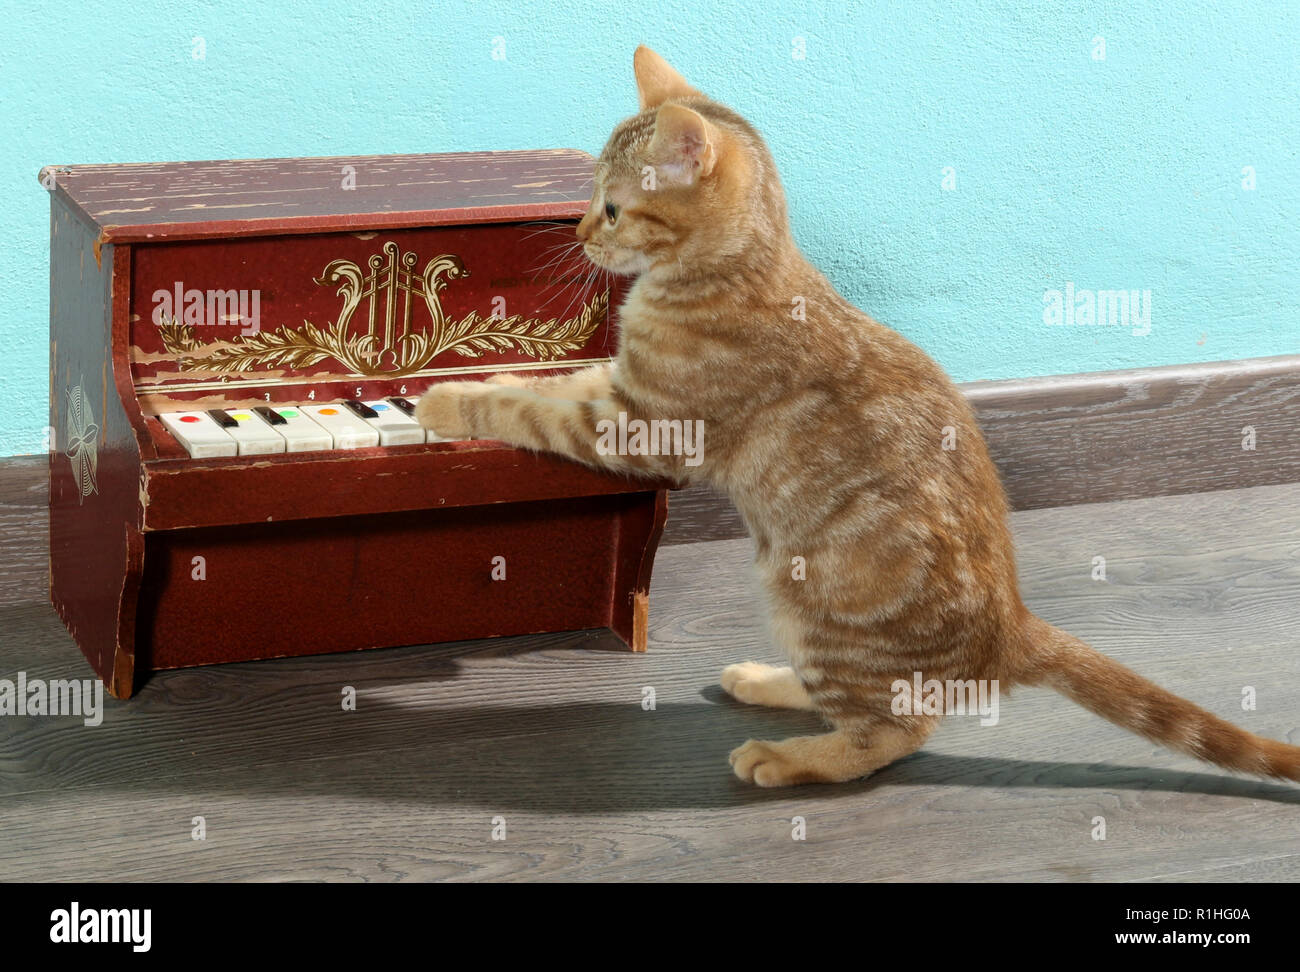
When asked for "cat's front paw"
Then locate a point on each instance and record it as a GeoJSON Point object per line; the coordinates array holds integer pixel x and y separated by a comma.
{"type": "Point", "coordinates": [509, 379]}
{"type": "Point", "coordinates": [440, 408]}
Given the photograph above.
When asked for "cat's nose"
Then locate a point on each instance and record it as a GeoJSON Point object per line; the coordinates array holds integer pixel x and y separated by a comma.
{"type": "Point", "coordinates": [584, 229]}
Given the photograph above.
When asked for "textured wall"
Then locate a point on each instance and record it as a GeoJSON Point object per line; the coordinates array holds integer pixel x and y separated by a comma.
{"type": "Point", "coordinates": [1123, 172]}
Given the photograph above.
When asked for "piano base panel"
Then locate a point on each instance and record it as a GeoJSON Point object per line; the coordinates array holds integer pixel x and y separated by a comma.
{"type": "Point", "coordinates": [317, 586]}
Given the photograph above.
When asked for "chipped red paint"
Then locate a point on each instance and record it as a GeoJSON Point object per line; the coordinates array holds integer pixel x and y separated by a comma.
{"type": "Point", "coordinates": [317, 552]}
{"type": "Point", "coordinates": [264, 197]}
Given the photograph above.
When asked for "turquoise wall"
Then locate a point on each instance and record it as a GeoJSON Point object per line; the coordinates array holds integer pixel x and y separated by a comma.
{"type": "Point", "coordinates": [1129, 172]}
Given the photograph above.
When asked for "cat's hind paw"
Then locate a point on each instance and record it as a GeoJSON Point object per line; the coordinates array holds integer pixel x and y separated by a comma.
{"type": "Point", "coordinates": [770, 764]}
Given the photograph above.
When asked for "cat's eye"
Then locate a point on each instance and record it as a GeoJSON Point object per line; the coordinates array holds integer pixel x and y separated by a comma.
{"type": "Point", "coordinates": [611, 212]}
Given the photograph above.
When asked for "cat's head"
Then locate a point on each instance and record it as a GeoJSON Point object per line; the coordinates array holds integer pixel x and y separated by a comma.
{"type": "Point", "coordinates": [685, 186]}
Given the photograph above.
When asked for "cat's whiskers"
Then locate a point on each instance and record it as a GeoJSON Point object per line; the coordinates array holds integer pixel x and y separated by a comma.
{"type": "Point", "coordinates": [572, 269]}
{"type": "Point", "coordinates": [562, 266]}
{"type": "Point", "coordinates": [555, 256]}
{"type": "Point", "coordinates": [548, 226]}
{"type": "Point", "coordinates": [580, 298]}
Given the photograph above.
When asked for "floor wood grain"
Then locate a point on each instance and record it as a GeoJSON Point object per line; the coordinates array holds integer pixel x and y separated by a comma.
{"type": "Point", "coordinates": [550, 735]}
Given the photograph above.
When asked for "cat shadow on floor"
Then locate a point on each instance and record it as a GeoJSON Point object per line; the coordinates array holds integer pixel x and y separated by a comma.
{"type": "Point", "coordinates": [260, 730]}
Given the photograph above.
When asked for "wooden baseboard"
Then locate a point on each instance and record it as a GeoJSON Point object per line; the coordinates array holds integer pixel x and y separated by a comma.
{"type": "Point", "coordinates": [1110, 435]}
{"type": "Point", "coordinates": [1058, 441]}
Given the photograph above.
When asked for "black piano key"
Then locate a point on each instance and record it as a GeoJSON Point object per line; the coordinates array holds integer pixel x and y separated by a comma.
{"type": "Point", "coordinates": [271, 415]}
{"type": "Point", "coordinates": [222, 418]}
{"type": "Point", "coordinates": [361, 409]}
{"type": "Point", "coordinates": [404, 405]}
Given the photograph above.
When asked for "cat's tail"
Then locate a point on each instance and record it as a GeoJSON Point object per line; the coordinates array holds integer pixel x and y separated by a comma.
{"type": "Point", "coordinates": [1061, 661]}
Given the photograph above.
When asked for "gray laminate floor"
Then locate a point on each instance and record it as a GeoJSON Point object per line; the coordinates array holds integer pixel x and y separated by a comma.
{"type": "Point", "coordinates": [549, 735]}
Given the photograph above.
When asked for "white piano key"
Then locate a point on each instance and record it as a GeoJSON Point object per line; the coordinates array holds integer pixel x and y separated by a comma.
{"type": "Point", "coordinates": [253, 435]}
{"type": "Point", "coordinates": [300, 433]}
{"type": "Point", "coordinates": [429, 434]}
{"type": "Point", "coordinates": [395, 427]}
{"type": "Point", "coordinates": [200, 434]}
{"type": "Point", "coordinates": [348, 431]}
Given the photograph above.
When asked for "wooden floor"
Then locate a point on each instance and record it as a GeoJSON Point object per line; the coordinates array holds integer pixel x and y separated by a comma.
{"type": "Point", "coordinates": [549, 733]}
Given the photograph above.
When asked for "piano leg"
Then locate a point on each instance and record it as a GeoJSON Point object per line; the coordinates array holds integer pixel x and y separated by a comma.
{"type": "Point", "coordinates": [96, 564]}
{"type": "Point", "coordinates": [638, 539]}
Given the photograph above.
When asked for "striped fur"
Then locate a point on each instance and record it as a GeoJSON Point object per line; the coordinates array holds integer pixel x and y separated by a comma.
{"type": "Point", "coordinates": [828, 431]}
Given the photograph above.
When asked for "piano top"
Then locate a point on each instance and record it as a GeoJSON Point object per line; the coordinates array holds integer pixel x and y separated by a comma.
{"type": "Point", "coordinates": [131, 203]}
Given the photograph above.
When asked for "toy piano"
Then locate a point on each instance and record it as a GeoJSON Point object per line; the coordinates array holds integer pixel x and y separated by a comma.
{"type": "Point", "coordinates": [235, 351]}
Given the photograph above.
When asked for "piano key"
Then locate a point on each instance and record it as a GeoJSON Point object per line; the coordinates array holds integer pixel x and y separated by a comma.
{"type": "Point", "coordinates": [254, 436]}
{"type": "Point", "coordinates": [200, 434]}
{"type": "Point", "coordinates": [300, 433]}
{"type": "Point", "coordinates": [360, 409]}
{"type": "Point", "coordinates": [270, 415]}
{"type": "Point", "coordinates": [222, 418]}
{"type": "Point", "coordinates": [429, 434]}
{"type": "Point", "coordinates": [348, 431]}
{"type": "Point", "coordinates": [395, 427]}
{"type": "Point", "coordinates": [407, 405]}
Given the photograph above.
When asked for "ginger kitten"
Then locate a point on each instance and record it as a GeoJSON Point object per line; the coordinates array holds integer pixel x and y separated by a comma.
{"type": "Point", "coordinates": [825, 429]}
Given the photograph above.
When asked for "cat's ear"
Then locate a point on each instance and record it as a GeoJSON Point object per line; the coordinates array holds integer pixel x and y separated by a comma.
{"type": "Point", "coordinates": [656, 81]}
{"type": "Point", "coordinates": [683, 147]}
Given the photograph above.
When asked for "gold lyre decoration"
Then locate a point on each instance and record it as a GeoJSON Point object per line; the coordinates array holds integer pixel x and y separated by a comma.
{"type": "Point", "coordinates": [388, 345]}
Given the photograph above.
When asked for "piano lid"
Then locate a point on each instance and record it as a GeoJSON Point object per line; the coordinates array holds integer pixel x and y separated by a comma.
{"type": "Point", "coordinates": [131, 203]}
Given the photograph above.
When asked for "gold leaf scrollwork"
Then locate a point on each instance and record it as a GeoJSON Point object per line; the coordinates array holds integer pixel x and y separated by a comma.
{"type": "Point", "coordinates": [388, 346]}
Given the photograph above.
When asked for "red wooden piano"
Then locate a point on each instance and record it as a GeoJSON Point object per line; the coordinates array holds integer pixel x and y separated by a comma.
{"type": "Point", "coordinates": [234, 350]}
